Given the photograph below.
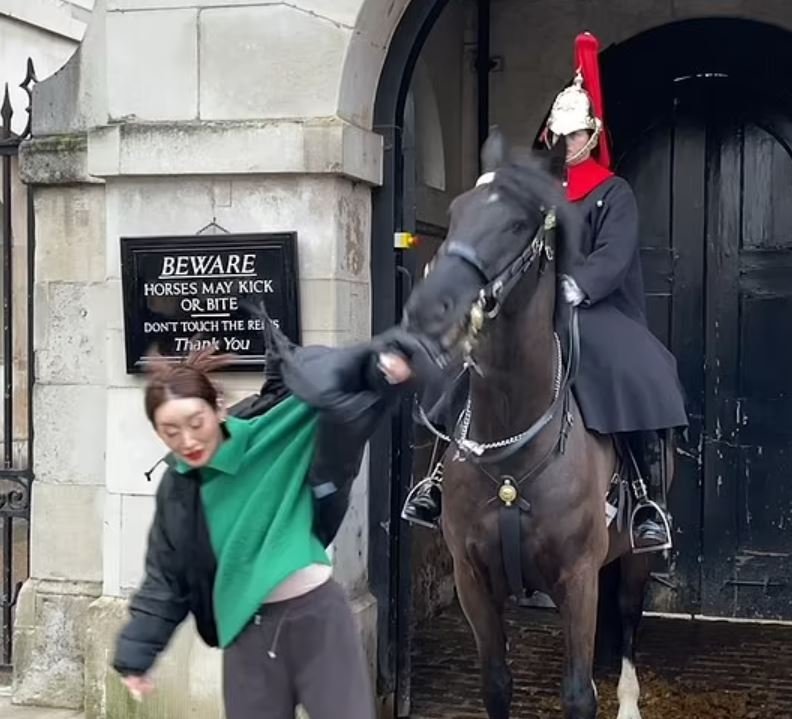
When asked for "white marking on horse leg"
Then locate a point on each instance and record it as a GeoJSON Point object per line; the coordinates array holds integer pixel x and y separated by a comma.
{"type": "Point", "coordinates": [629, 691]}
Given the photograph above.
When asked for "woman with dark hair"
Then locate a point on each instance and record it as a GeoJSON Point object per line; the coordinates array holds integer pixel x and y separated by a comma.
{"type": "Point", "coordinates": [243, 516]}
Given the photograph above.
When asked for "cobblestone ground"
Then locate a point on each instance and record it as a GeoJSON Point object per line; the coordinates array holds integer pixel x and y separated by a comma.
{"type": "Point", "coordinates": [688, 670]}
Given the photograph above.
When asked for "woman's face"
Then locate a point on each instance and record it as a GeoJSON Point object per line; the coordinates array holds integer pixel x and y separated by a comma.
{"type": "Point", "coordinates": [575, 142]}
{"type": "Point", "coordinates": [191, 429]}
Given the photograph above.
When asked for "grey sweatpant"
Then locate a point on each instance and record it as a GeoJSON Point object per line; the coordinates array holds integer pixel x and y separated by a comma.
{"type": "Point", "coordinates": [301, 651]}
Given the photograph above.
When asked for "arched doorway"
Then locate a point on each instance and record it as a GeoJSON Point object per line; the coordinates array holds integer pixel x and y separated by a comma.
{"type": "Point", "coordinates": [699, 149]}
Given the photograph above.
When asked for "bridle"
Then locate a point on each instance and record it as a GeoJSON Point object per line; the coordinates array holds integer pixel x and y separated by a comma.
{"type": "Point", "coordinates": [486, 307]}
{"type": "Point", "coordinates": [496, 289]}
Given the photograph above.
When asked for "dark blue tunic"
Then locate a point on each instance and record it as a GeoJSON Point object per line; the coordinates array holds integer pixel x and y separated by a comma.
{"type": "Point", "coordinates": [627, 380]}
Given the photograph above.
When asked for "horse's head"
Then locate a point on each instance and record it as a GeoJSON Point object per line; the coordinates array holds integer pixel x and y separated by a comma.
{"type": "Point", "coordinates": [500, 238]}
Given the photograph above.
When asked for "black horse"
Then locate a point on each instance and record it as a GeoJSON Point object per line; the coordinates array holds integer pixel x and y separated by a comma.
{"type": "Point", "coordinates": [523, 476]}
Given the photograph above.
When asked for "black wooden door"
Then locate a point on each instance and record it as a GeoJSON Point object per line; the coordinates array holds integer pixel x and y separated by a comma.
{"type": "Point", "coordinates": [665, 165]}
{"type": "Point", "coordinates": [713, 182]}
{"type": "Point", "coordinates": [748, 488]}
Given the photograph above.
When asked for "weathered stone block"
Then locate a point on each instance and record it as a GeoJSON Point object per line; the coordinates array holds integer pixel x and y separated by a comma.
{"type": "Point", "coordinates": [361, 72]}
{"type": "Point", "coordinates": [70, 328]}
{"type": "Point", "coordinates": [114, 314]}
{"type": "Point", "coordinates": [350, 556]}
{"type": "Point", "coordinates": [364, 607]}
{"type": "Point", "coordinates": [70, 232]}
{"type": "Point", "coordinates": [111, 545]}
{"type": "Point", "coordinates": [331, 216]}
{"type": "Point", "coordinates": [346, 12]}
{"type": "Point", "coordinates": [132, 446]}
{"type": "Point", "coordinates": [234, 147]}
{"type": "Point", "coordinates": [136, 516]}
{"type": "Point", "coordinates": [342, 12]}
{"type": "Point", "coordinates": [335, 306]}
{"type": "Point", "coordinates": [66, 541]}
{"type": "Point", "coordinates": [54, 160]}
{"type": "Point", "coordinates": [325, 305]}
{"type": "Point", "coordinates": [152, 71]}
{"type": "Point", "coordinates": [152, 206]}
{"type": "Point", "coordinates": [188, 676]}
{"type": "Point", "coordinates": [70, 433]}
{"type": "Point", "coordinates": [49, 643]}
{"type": "Point", "coordinates": [300, 79]}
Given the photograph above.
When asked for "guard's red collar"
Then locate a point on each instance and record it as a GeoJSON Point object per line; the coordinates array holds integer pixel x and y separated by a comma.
{"type": "Point", "coordinates": [585, 177]}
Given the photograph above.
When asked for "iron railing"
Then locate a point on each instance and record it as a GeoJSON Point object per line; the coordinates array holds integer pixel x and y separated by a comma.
{"type": "Point", "coordinates": [16, 473]}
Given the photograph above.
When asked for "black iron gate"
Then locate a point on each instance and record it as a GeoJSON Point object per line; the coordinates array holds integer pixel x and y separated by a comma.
{"type": "Point", "coordinates": [16, 473]}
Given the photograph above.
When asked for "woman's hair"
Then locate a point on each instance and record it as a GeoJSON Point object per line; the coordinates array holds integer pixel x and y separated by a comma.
{"type": "Point", "coordinates": [186, 379]}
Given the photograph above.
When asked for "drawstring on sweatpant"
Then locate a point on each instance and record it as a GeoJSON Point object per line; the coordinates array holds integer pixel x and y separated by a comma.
{"type": "Point", "coordinates": [271, 653]}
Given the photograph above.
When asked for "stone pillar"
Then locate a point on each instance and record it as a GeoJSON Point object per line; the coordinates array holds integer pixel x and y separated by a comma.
{"type": "Point", "coordinates": [229, 112]}
{"type": "Point", "coordinates": [69, 420]}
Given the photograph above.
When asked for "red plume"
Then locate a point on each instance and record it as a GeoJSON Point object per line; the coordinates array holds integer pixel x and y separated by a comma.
{"type": "Point", "coordinates": [587, 61]}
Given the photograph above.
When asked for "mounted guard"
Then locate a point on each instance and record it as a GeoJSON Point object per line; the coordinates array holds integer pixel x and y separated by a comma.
{"type": "Point", "coordinates": [627, 384]}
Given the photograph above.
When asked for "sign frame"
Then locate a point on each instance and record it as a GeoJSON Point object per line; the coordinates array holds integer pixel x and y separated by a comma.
{"type": "Point", "coordinates": [132, 285]}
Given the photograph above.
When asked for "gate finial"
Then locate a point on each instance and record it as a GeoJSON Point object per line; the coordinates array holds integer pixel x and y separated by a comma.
{"type": "Point", "coordinates": [6, 112]}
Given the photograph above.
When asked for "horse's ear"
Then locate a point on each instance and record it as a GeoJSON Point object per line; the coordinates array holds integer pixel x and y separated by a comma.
{"type": "Point", "coordinates": [495, 152]}
{"type": "Point", "coordinates": [553, 160]}
{"type": "Point", "coordinates": [557, 159]}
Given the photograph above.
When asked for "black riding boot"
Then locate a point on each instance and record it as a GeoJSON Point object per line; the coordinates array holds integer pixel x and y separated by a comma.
{"type": "Point", "coordinates": [649, 524]}
{"type": "Point", "coordinates": [424, 504]}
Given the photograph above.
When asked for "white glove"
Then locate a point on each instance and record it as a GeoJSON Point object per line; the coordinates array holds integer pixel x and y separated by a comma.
{"type": "Point", "coordinates": [572, 293]}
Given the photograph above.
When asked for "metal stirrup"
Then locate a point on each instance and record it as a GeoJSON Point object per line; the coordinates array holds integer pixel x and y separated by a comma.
{"type": "Point", "coordinates": [642, 503]}
{"type": "Point", "coordinates": [650, 504]}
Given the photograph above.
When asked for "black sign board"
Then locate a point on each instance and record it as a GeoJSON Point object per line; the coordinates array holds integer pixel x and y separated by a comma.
{"type": "Point", "coordinates": [183, 292]}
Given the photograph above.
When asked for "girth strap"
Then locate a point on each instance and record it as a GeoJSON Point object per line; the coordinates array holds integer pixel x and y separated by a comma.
{"type": "Point", "coordinates": [511, 549]}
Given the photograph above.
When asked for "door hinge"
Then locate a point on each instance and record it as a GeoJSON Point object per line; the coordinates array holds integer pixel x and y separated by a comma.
{"type": "Point", "coordinates": [765, 583]}
{"type": "Point", "coordinates": [664, 579]}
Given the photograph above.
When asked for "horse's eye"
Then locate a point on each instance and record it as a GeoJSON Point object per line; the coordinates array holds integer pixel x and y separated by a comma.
{"type": "Point", "coordinates": [519, 227]}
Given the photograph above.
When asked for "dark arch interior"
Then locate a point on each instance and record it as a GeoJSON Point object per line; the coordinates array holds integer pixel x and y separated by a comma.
{"type": "Point", "coordinates": [640, 75]}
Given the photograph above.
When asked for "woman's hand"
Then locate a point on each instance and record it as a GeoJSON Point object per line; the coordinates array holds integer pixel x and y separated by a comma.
{"type": "Point", "coordinates": [394, 367]}
{"type": "Point", "coordinates": [138, 687]}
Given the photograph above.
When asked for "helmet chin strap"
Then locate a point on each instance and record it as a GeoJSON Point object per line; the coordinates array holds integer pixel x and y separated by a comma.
{"type": "Point", "coordinates": [588, 147]}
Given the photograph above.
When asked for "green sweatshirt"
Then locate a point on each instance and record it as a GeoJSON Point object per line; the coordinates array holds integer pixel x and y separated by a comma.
{"type": "Point", "coordinates": [259, 510]}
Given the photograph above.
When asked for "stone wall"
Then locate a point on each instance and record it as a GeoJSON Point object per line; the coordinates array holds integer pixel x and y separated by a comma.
{"type": "Point", "coordinates": [216, 120]}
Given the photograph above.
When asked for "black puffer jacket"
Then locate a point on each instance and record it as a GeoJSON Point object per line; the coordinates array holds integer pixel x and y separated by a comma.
{"type": "Point", "coordinates": [180, 563]}
{"type": "Point", "coordinates": [352, 398]}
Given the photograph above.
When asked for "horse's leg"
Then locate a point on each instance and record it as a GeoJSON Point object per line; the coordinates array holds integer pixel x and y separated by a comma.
{"type": "Point", "coordinates": [635, 569]}
{"type": "Point", "coordinates": [484, 614]}
{"type": "Point", "coordinates": [578, 609]}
